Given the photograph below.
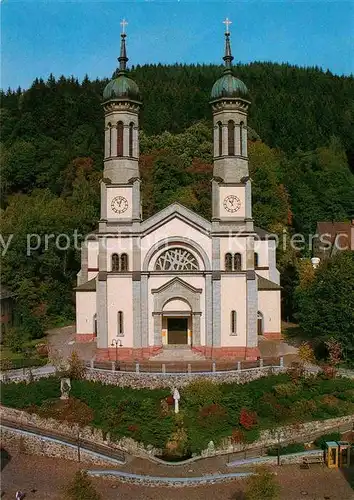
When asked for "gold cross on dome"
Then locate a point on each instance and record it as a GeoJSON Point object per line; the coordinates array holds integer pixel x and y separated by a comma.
{"type": "Point", "coordinates": [227, 22]}
{"type": "Point", "coordinates": [123, 25]}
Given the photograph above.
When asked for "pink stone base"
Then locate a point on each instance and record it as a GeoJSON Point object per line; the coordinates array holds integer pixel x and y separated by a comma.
{"type": "Point", "coordinates": [126, 353]}
{"type": "Point", "coordinates": [85, 337]}
{"type": "Point", "coordinates": [247, 353]}
{"type": "Point", "coordinates": [273, 335]}
{"type": "Point", "coordinates": [131, 354]}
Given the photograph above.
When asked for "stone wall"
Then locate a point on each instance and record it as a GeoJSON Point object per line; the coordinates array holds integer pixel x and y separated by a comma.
{"type": "Point", "coordinates": [144, 380]}
{"type": "Point", "coordinates": [291, 458]}
{"type": "Point", "coordinates": [302, 432]}
{"type": "Point", "coordinates": [160, 380]}
{"type": "Point", "coordinates": [306, 432]}
{"type": "Point", "coordinates": [90, 434]}
{"type": "Point", "coordinates": [16, 441]}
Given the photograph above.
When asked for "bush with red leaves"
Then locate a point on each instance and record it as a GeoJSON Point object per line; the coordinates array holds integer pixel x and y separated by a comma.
{"type": "Point", "coordinates": [248, 419]}
{"type": "Point", "coordinates": [211, 415]}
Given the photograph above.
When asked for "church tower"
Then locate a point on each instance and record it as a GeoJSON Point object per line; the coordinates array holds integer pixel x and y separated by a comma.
{"type": "Point", "coordinates": [231, 184]}
{"type": "Point", "coordinates": [120, 188]}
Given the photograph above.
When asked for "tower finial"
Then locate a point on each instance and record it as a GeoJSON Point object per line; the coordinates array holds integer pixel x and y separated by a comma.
{"type": "Point", "coordinates": [123, 25]}
{"type": "Point", "coordinates": [122, 59]}
{"type": "Point", "coordinates": [227, 23]}
{"type": "Point", "coordinates": [228, 57]}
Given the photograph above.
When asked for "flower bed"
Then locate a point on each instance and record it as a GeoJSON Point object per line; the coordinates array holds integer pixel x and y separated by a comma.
{"type": "Point", "coordinates": [208, 411]}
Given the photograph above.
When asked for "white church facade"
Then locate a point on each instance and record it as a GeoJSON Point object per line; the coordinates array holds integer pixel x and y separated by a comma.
{"type": "Point", "coordinates": [177, 278]}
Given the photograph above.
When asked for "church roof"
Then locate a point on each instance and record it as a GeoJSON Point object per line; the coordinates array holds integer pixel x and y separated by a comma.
{"type": "Point", "coordinates": [263, 234]}
{"type": "Point", "coordinates": [334, 229]}
{"type": "Point", "coordinates": [121, 87]}
{"type": "Point", "coordinates": [175, 210]}
{"type": "Point", "coordinates": [89, 286]}
{"type": "Point", "coordinates": [264, 284]}
{"type": "Point", "coordinates": [228, 86]}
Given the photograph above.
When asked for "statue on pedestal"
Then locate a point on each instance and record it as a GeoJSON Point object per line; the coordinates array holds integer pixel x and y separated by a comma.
{"type": "Point", "coordinates": [65, 388]}
{"type": "Point", "coordinates": [176, 397]}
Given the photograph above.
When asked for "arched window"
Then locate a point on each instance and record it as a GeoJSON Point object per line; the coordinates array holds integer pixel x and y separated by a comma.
{"type": "Point", "coordinates": [131, 131]}
{"type": "Point", "coordinates": [233, 323]}
{"type": "Point", "coordinates": [228, 262]}
{"type": "Point", "coordinates": [120, 139]}
{"type": "Point", "coordinates": [120, 324]}
{"type": "Point", "coordinates": [115, 263]}
{"type": "Point", "coordinates": [109, 146]}
{"type": "Point", "coordinates": [260, 323]}
{"type": "Point", "coordinates": [220, 137]}
{"type": "Point", "coordinates": [241, 139]}
{"type": "Point", "coordinates": [237, 262]}
{"type": "Point", "coordinates": [176, 259]}
{"type": "Point", "coordinates": [124, 262]}
{"type": "Point", "coordinates": [231, 137]}
{"type": "Point", "coordinates": [95, 324]}
{"type": "Point", "coordinates": [255, 259]}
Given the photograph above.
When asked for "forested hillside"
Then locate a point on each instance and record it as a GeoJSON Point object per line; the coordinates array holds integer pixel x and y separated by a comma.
{"type": "Point", "coordinates": [301, 147]}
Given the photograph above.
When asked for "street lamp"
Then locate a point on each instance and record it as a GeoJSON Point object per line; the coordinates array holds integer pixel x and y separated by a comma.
{"type": "Point", "coordinates": [116, 343]}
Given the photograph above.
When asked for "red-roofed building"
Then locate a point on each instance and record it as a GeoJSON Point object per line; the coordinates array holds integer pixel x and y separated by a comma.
{"type": "Point", "coordinates": [333, 237]}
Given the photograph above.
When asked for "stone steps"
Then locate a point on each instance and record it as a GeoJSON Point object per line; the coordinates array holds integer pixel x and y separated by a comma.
{"type": "Point", "coordinates": [177, 353]}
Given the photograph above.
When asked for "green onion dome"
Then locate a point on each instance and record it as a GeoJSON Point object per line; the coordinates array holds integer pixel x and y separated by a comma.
{"type": "Point", "coordinates": [121, 87]}
{"type": "Point", "coordinates": [228, 86]}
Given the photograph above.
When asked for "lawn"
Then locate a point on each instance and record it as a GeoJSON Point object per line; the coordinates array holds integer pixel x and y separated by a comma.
{"type": "Point", "coordinates": [208, 411]}
{"type": "Point", "coordinates": [28, 355]}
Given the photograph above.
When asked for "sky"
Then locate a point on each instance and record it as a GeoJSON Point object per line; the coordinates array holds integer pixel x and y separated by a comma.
{"type": "Point", "coordinates": [81, 37]}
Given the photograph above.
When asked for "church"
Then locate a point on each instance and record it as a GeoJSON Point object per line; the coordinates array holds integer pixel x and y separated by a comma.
{"type": "Point", "coordinates": [177, 279]}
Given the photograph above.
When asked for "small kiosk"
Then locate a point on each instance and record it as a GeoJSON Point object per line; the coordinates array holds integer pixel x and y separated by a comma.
{"type": "Point", "coordinates": [331, 454]}
{"type": "Point", "coordinates": [344, 453]}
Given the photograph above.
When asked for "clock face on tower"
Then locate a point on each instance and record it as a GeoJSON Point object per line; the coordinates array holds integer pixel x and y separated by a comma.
{"type": "Point", "coordinates": [119, 204]}
{"type": "Point", "coordinates": [232, 203]}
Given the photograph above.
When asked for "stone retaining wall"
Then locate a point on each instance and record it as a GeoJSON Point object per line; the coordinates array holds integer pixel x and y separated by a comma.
{"type": "Point", "coordinates": [18, 441]}
{"type": "Point", "coordinates": [167, 380]}
{"type": "Point", "coordinates": [87, 433]}
{"type": "Point", "coordinates": [291, 458]}
{"type": "Point", "coordinates": [307, 432]}
{"type": "Point", "coordinates": [153, 380]}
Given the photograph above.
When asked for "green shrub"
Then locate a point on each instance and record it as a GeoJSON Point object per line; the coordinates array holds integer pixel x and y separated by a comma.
{"type": "Point", "coordinates": [201, 392]}
{"type": "Point", "coordinates": [81, 488]}
{"type": "Point", "coordinates": [22, 395]}
{"type": "Point", "coordinates": [320, 441]}
{"type": "Point", "coordinates": [252, 435]}
{"type": "Point", "coordinates": [346, 395]}
{"type": "Point", "coordinates": [286, 390]}
{"type": "Point", "coordinates": [15, 339]}
{"type": "Point", "coordinates": [286, 450]}
{"type": "Point", "coordinates": [262, 486]}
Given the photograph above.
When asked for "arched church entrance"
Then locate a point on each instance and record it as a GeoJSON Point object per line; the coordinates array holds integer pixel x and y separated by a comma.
{"type": "Point", "coordinates": [177, 322]}
{"type": "Point", "coordinates": [176, 313]}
